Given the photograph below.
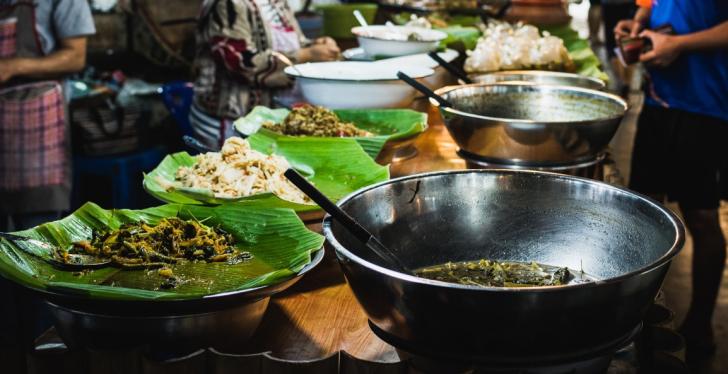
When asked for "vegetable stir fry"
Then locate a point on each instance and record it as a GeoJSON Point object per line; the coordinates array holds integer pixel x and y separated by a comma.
{"type": "Point", "coordinates": [487, 273]}
{"type": "Point", "coordinates": [173, 240]}
{"type": "Point", "coordinates": [309, 120]}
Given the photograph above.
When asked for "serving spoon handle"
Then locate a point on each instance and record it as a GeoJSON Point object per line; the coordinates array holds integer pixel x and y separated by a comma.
{"type": "Point", "coordinates": [422, 88]}
{"type": "Point", "coordinates": [359, 232]}
{"type": "Point", "coordinates": [454, 70]}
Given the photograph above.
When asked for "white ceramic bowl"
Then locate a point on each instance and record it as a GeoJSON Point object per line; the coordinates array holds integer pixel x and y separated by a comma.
{"type": "Point", "coordinates": [391, 41]}
{"type": "Point", "coordinates": [352, 84]}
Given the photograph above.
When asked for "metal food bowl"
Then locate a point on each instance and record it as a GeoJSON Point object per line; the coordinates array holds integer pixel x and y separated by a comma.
{"type": "Point", "coordinates": [224, 321]}
{"type": "Point", "coordinates": [624, 241]}
{"type": "Point", "coordinates": [531, 124]}
{"type": "Point", "coordinates": [540, 77]}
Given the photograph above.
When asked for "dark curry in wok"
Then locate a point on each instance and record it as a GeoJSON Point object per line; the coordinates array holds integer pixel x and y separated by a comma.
{"type": "Point", "coordinates": [487, 273]}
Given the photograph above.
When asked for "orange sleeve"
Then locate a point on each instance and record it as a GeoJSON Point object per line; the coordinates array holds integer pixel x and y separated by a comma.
{"type": "Point", "coordinates": [644, 3]}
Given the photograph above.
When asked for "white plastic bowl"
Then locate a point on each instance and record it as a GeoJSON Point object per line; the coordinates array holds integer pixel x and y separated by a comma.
{"type": "Point", "coordinates": [391, 41]}
{"type": "Point", "coordinates": [352, 85]}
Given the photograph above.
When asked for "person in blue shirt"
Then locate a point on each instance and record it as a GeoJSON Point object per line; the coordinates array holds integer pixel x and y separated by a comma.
{"type": "Point", "coordinates": [680, 148]}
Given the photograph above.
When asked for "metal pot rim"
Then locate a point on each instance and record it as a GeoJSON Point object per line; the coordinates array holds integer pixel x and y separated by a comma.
{"type": "Point", "coordinates": [563, 74]}
{"type": "Point", "coordinates": [538, 86]}
{"type": "Point", "coordinates": [665, 258]}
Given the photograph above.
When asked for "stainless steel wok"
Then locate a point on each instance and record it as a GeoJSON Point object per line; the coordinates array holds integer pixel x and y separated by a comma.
{"type": "Point", "coordinates": [622, 239]}
{"type": "Point", "coordinates": [531, 124]}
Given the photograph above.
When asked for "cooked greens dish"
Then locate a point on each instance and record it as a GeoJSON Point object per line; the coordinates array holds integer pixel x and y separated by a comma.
{"type": "Point", "coordinates": [487, 273]}
{"type": "Point", "coordinates": [309, 120]}
{"type": "Point", "coordinates": [173, 240]}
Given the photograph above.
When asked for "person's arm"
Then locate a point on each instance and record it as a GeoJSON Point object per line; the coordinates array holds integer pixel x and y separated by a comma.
{"type": "Point", "coordinates": [666, 48]}
{"type": "Point", "coordinates": [232, 45]}
{"type": "Point", "coordinates": [713, 38]}
{"type": "Point", "coordinates": [70, 57]}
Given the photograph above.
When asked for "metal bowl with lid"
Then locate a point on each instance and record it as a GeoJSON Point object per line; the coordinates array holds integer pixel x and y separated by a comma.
{"type": "Point", "coordinates": [531, 124]}
{"type": "Point", "coordinates": [623, 241]}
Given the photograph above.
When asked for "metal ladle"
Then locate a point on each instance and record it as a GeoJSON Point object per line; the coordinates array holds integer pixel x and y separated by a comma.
{"type": "Point", "coordinates": [348, 222]}
{"type": "Point", "coordinates": [71, 261]}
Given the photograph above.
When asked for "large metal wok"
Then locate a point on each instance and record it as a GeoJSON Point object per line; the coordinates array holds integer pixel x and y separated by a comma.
{"type": "Point", "coordinates": [622, 239]}
{"type": "Point", "coordinates": [530, 124]}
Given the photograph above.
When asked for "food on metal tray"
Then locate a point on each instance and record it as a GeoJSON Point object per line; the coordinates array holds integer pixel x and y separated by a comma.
{"type": "Point", "coordinates": [487, 273]}
{"type": "Point", "coordinates": [309, 120]}
{"type": "Point", "coordinates": [239, 171]}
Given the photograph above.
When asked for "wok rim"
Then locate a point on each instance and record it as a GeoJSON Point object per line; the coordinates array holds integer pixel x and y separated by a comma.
{"type": "Point", "coordinates": [538, 87]}
{"type": "Point", "coordinates": [675, 221]}
{"type": "Point", "coordinates": [547, 73]}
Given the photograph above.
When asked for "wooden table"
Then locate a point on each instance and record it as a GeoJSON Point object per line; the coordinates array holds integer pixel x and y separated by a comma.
{"type": "Point", "coordinates": [320, 316]}
{"type": "Point", "coordinates": [316, 326]}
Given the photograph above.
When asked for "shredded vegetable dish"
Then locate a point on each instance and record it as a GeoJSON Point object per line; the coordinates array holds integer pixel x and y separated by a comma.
{"type": "Point", "coordinates": [172, 241]}
{"type": "Point", "coordinates": [309, 120]}
{"type": "Point", "coordinates": [239, 171]}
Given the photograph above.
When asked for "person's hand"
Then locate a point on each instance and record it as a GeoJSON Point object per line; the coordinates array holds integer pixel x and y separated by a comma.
{"type": "Point", "coordinates": [9, 68]}
{"type": "Point", "coordinates": [665, 49]}
{"type": "Point", "coordinates": [325, 40]}
{"type": "Point", "coordinates": [319, 52]}
{"type": "Point", "coordinates": [627, 27]}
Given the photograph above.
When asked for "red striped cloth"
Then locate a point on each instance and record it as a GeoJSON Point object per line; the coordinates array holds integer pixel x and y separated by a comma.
{"type": "Point", "coordinates": [7, 37]}
{"type": "Point", "coordinates": [32, 137]}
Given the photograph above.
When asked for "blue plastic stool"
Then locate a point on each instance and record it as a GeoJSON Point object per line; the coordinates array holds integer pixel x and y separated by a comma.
{"type": "Point", "coordinates": [122, 170]}
{"type": "Point", "coordinates": [177, 97]}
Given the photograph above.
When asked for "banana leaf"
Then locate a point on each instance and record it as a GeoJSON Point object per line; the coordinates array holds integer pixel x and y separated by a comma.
{"type": "Point", "coordinates": [460, 34]}
{"type": "Point", "coordinates": [337, 166]}
{"type": "Point", "coordinates": [385, 124]}
{"type": "Point", "coordinates": [279, 242]}
{"type": "Point", "coordinates": [586, 61]}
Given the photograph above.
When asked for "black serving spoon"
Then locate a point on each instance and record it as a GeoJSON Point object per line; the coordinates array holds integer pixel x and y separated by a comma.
{"type": "Point", "coordinates": [347, 221]}
{"type": "Point", "coordinates": [454, 70]}
{"type": "Point", "coordinates": [73, 261]}
{"type": "Point", "coordinates": [196, 144]}
{"type": "Point", "coordinates": [426, 91]}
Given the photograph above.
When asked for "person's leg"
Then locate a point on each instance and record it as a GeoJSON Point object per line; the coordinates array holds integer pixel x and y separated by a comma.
{"type": "Point", "coordinates": [8, 308]}
{"type": "Point", "coordinates": [699, 161]}
{"type": "Point", "coordinates": [594, 19]}
{"type": "Point", "coordinates": [33, 317]}
{"type": "Point", "coordinates": [709, 255]}
{"type": "Point", "coordinates": [651, 160]}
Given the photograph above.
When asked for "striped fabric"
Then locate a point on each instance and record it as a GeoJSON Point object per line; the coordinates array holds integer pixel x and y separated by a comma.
{"type": "Point", "coordinates": [7, 37]}
{"type": "Point", "coordinates": [209, 130]}
{"type": "Point", "coordinates": [32, 137]}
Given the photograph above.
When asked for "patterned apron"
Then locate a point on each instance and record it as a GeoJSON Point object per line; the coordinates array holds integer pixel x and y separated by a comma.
{"type": "Point", "coordinates": [34, 157]}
